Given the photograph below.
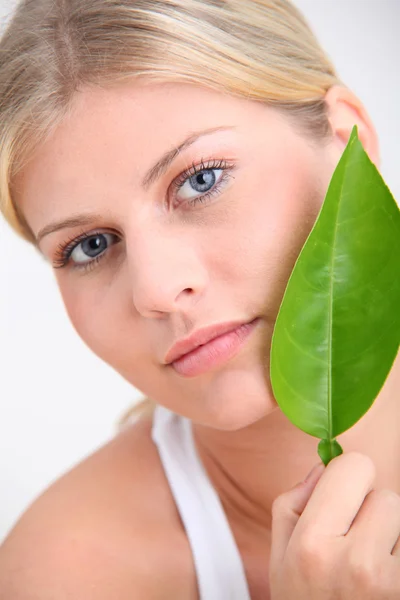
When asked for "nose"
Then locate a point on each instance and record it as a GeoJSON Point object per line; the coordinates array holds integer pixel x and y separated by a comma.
{"type": "Point", "coordinates": [166, 274]}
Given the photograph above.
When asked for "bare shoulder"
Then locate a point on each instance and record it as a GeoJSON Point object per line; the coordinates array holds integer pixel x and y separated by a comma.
{"type": "Point", "coordinates": [109, 528]}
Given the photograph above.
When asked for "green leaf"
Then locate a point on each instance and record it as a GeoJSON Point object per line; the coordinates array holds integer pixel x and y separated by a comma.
{"type": "Point", "coordinates": [337, 333]}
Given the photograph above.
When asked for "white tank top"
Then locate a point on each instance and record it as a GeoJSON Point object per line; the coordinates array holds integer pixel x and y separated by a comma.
{"type": "Point", "coordinates": [219, 567]}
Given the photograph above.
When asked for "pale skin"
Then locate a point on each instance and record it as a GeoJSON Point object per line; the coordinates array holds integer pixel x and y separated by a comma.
{"type": "Point", "coordinates": [172, 268]}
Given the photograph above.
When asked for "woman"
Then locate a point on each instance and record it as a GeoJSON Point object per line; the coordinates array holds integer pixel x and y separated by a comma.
{"type": "Point", "coordinates": [169, 163]}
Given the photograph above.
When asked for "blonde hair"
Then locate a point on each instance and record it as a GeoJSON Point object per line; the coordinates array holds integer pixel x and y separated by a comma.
{"type": "Point", "coordinates": [260, 50]}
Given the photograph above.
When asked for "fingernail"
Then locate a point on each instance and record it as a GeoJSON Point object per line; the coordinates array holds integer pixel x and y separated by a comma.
{"type": "Point", "coordinates": [315, 472]}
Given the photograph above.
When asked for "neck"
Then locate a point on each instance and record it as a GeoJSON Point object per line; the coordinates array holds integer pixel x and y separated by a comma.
{"type": "Point", "coordinates": [250, 467]}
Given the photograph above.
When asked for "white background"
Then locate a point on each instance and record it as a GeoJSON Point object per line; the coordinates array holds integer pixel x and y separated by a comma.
{"type": "Point", "coordinates": [58, 402]}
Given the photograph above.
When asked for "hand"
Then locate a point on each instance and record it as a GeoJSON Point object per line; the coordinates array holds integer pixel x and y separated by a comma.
{"type": "Point", "coordinates": [336, 538]}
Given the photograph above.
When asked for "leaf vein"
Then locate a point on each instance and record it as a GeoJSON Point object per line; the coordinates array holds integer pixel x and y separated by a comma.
{"type": "Point", "coordinates": [296, 345]}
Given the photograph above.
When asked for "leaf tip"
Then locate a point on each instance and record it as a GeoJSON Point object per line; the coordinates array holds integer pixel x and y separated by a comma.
{"type": "Point", "coordinates": [354, 133]}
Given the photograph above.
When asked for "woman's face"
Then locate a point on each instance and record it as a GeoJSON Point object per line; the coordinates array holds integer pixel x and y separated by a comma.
{"type": "Point", "coordinates": [185, 250]}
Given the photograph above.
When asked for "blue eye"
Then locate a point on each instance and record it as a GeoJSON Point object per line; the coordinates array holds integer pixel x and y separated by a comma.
{"type": "Point", "coordinates": [84, 250]}
{"type": "Point", "coordinates": [201, 182]}
{"type": "Point", "coordinates": [91, 247]}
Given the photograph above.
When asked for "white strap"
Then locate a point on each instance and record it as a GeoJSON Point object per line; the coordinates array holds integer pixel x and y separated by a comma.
{"type": "Point", "coordinates": [219, 567]}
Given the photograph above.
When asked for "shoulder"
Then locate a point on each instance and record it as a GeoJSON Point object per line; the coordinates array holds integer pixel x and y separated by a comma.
{"type": "Point", "coordinates": [109, 528]}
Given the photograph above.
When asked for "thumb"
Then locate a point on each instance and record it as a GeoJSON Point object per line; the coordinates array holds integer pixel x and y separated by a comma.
{"type": "Point", "coordinates": [286, 511]}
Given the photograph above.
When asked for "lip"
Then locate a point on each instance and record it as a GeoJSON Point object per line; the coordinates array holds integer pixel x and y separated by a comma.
{"type": "Point", "coordinates": [199, 338]}
{"type": "Point", "coordinates": [218, 348]}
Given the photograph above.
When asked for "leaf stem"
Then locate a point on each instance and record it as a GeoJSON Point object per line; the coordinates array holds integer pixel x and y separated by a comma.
{"type": "Point", "coordinates": [328, 449]}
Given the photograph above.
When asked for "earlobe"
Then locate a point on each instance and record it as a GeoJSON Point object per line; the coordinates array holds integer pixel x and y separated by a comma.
{"type": "Point", "coordinates": [344, 111]}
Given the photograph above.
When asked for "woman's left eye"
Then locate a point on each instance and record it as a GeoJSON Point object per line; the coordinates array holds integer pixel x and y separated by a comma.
{"type": "Point", "coordinates": [201, 182]}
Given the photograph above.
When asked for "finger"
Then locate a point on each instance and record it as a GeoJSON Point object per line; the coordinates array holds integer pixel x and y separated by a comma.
{"type": "Point", "coordinates": [338, 496]}
{"type": "Point", "coordinates": [396, 548]}
{"type": "Point", "coordinates": [286, 511]}
{"type": "Point", "coordinates": [376, 528]}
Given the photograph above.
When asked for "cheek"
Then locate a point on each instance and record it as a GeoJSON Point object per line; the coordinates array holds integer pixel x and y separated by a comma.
{"type": "Point", "coordinates": [276, 216]}
{"type": "Point", "coordinates": [91, 308]}
{"type": "Point", "coordinates": [85, 312]}
{"type": "Point", "coordinates": [106, 324]}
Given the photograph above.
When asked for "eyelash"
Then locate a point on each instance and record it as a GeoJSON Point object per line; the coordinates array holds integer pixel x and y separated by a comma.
{"type": "Point", "coordinates": [195, 170]}
{"type": "Point", "coordinates": [64, 250]}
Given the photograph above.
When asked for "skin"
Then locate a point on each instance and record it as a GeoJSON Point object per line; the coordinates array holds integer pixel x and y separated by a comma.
{"type": "Point", "coordinates": [174, 268]}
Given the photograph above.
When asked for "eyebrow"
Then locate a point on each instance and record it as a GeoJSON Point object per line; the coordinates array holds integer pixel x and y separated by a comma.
{"type": "Point", "coordinates": [151, 176]}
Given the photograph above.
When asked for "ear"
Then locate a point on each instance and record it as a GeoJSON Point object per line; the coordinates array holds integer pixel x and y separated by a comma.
{"type": "Point", "coordinates": [344, 111]}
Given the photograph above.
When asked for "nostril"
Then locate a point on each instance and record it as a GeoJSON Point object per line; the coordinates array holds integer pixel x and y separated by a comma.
{"type": "Point", "coordinates": [186, 292]}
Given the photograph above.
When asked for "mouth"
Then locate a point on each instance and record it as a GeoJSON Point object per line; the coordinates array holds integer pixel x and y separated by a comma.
{"type": "Point", "coordinates": [214, 352]}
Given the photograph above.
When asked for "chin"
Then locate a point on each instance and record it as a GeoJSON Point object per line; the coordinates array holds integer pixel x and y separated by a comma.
{"type": "Point", "coordinates": [236, 399]}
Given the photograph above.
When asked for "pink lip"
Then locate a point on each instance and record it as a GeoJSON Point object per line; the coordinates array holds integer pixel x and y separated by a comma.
{"type": "Point", "coordinates": [209, 347]}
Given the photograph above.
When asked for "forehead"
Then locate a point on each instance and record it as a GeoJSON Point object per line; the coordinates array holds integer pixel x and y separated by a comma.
{"type": "Point", "coordinates": [115, 134]}
{"type": "Point", "coordinates": [138, 118]}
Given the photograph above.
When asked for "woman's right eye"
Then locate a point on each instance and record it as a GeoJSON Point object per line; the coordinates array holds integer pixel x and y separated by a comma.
{"type": "Point", "coordinates": [84, 250]}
